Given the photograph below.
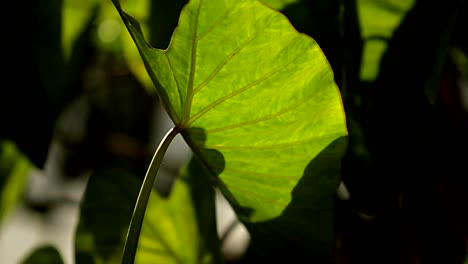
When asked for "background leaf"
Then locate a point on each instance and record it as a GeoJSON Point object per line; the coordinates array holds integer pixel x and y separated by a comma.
{"type": "Point", "coordinates": [182, 227]}
{"type": "Point", "coordinates": [105, 214]}
{"type": "Point", "coordinates": [14, 172]}
{"type": "Point", "coordinates": [45, 254]}
{"type": "Point", "coordinates": [378, 20]}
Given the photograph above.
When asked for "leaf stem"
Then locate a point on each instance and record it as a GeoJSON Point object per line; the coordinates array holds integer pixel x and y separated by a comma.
{"type": "Point", "coordinates": [136, 222]}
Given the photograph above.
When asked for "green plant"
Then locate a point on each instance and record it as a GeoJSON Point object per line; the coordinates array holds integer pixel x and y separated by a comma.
{"type": "Point", "coordinates": [258, 104]}
{"type": "Point", "coordinates": [261, 158]}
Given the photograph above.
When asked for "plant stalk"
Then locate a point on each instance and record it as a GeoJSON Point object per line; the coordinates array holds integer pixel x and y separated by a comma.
{"type": "Point", "coordinates": [131, 243]}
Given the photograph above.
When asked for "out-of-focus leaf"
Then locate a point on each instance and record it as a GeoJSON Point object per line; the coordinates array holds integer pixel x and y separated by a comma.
{"type": "Point", "coordinates": [107, 34]}
{"type": "Point", "coordinates": [105, 214]}
{"type": "Point", "coordinates": [378, 20]}
{"type": "Point", "coordinates": [182, 227]}
{"type": "Point", "coordinates": [14, 171]}
{"type": "Point", "coordinates": [461, 61]}
{"type": "Point", "coordinates": [76, 15]}
{"type": "Point", "coordinates": [44, 255]}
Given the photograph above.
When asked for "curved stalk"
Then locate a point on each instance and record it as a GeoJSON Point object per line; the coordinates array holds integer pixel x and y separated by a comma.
{"type": "Point", "coordinates": [134, 229]}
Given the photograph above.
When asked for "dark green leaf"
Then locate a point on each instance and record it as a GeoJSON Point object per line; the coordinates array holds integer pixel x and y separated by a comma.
{"type": "Point", "coordinates": [105, 214]}
{"type": "Point", "coordinates": [44, 255]}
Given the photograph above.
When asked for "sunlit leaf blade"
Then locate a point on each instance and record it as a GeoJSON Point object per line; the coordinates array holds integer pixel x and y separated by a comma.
{"type": "Point", "coordinates": [255, 99]}
{"type": "Point", "coordinates": [182, 227]}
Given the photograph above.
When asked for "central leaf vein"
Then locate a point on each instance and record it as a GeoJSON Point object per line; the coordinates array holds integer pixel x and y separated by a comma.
{"type": "Point", "coordinates": [275, 146]}
{"type": "Point", "coordinates": [193, 63]}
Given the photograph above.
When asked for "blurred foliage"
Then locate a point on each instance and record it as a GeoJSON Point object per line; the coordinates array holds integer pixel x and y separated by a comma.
{"type": "Point", "coordinates": [377, 21]}
{"type": "Point", "coordinates": [181, 228]}
{"type": "Point", "coordinates": [44, 254]}
{"type": "Point", "coordinates": [105, 213]}
{"type": "Point", "coordinates": [14, 169]}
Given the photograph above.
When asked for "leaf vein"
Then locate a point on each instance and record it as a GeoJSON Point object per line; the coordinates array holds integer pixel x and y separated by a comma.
{"type": "Point", "coordinates": [275, 146]}
{"type": "Point", "coordinates": [216, 23]}
{"type": "Point", "coordinates": [249, 173]}
{"type": "Point", "coordinates": [229, 57]}
{"type": "Point", "coordinates": [255, 194]}
{"type": "Point", "coordinates": [164, 243]}
{"type": "Point", "coordinates": [193, 62]}
{"type": "Point", "coordinates": [260, 119]}
{"type": "Point", "coordinates": [243, 89]}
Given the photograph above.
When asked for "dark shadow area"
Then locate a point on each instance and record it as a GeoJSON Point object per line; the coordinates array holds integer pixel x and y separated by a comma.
{"type": "Point", "coordinates": [304, 232]}
{"type": "Point", "coordinates": [213, 161]}
{"type": "Point", "coordinates": [405, 166]}
{"type": "Point", "coordinates": [203, 198]}
{"type": "Point", "coordinates": [310, 16]}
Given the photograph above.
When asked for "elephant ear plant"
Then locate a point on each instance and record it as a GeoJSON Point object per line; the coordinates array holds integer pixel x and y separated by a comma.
{"type": "Point", "coordinates": [257, 103]}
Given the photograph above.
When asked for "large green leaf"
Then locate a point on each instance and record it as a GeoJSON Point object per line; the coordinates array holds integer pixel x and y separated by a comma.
{"type": "Point", "coordinates": [255, 99]}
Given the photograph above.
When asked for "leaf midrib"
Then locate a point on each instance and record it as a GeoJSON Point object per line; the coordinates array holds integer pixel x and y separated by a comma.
{"type": "Point", "coordinates": [193, 63]}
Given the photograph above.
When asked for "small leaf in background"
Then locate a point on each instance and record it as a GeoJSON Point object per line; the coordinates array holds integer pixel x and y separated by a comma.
{"type": "Point", "coordinates": [182, 227]}
{"type": "Point", "coordinates": [107, 31]}
{"type": "Point", "coordinates": [44, 255]}
{"type": "Point", "coordinates": [378, 20]}
{"type": "Point", "coordinates": [14, 172]}
{"type": "Point", "coordinates": [75, 16]}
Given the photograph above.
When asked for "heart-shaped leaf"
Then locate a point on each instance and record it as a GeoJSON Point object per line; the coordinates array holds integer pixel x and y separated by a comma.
{"type": "Point", "coordinates": [254, 98]}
